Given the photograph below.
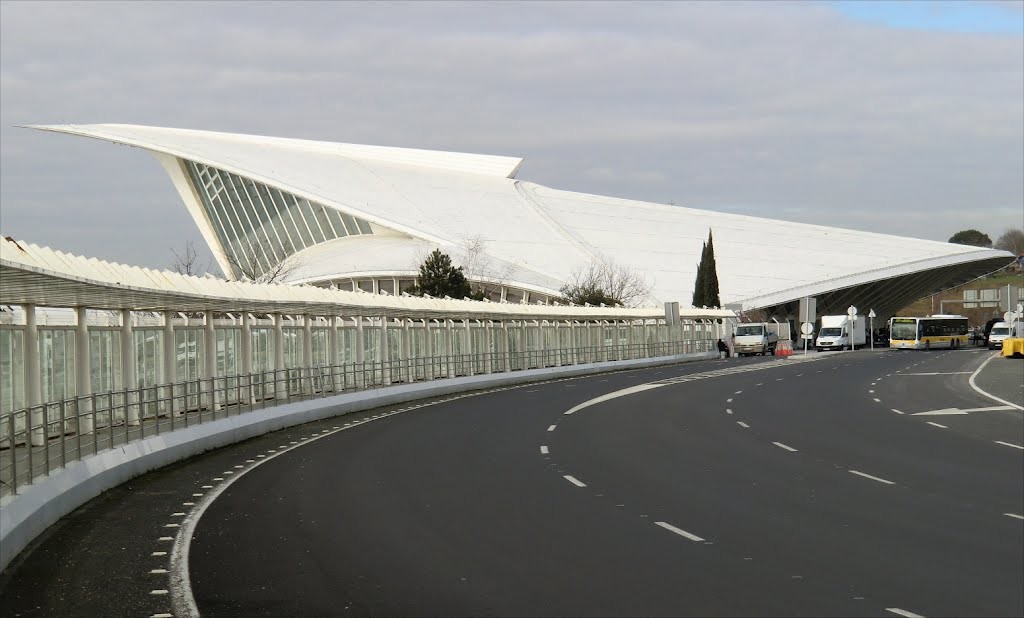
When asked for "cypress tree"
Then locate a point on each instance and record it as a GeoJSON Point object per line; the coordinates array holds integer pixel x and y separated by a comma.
{"type": "Point", "coordinates": [698, 284]}
{"type": "Point", "coordinates": [711, 297]}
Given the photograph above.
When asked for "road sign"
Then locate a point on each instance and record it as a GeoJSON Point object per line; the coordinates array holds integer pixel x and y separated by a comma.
{"type": "Point", "coordinates": [852, 311]}
{"type": "Point", "coordinates": [808, 309]}
{"type": "Point", "coordinates": [807, 328]}
{"type": "Point", "coordinates": [872, 314]}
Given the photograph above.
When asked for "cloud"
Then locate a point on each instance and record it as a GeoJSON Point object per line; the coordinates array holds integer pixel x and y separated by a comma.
{"type": "Point", "coordinates": [793, 109]}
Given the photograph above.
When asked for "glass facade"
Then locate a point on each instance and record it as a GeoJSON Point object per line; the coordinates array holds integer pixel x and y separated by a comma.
{"type": "Point", "coordinates": [260, 226]}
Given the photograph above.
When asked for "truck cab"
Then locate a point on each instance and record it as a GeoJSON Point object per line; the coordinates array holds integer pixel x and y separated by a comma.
{"type": "Point", "coordinates": [1000, 331]}
{"type": "Point", "coordinates": [755, 339]}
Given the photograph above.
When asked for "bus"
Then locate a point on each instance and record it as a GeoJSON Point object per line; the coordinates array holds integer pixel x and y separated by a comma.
{"type": "Point", "coordinates": [937, 331]}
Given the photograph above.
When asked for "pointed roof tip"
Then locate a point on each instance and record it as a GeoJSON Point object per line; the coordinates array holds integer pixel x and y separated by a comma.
{"type": "Point", "coordinates": [180, 142]}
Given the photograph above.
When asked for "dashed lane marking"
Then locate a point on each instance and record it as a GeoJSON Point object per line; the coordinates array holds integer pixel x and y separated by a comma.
{"type": "Point", "coordinates": [680, 532]}
{"type": "Point", "coordinates": [1014, 515]}
{"type": "Point", "coordinates": [783, 446]}
{"type": "Point", "coordinates": [574, 480]}
{"type": "Point", "coordinates": [896, 411]}
{"type": "Point", "coordinates": [873, 478]}
{"type": "Point", "coordinates": [903, 612]}
{"type": "Point", "coordinates": [543, 450]}
{"type": "Point", "coordinates": [742, 424]}
{"type": "Point", "coordinates": [551, 427]}
{"type": "Point", "coordinates": [1009, 444]}
{"type": "Point", "coordinates": [937, 425]}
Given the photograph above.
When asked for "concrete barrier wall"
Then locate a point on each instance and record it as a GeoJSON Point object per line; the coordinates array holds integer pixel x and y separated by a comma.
{"type": "Point", "coordinates": [41, 504]}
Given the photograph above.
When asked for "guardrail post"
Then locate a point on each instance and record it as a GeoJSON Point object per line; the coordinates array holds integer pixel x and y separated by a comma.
{"type": "Point", "coordinates": [83, 373]}
{"type": "Point", "coordinates": [246, 344]}
{"type": "Point", "coordinates": [307, 348]}
{"type": "Point", "coordinates": [407, 350]}
{"type": "Point", "coordinates": [468, 347]}
{"type": "Point", "coordinates": [210, 351]}
{"type": "Point", "coordinates": [384, 350]}
{"type": "Point", "coordinates": [505, 347]}
{"type": "Point", "coordinates": [129, 373]}
{"type": "Point", "coordinates": [33, 382]}
{"type": "Point", "coordinates": [170, 356]}
{"type": "Point", "coordinates": [334, 357]}
{"type": "Point", "coordinates": [449, 347]}
{"type": "Point", "coordinates": [360, 352]}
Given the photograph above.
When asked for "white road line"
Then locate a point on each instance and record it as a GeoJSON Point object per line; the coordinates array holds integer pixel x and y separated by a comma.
{"type": "Point", "coordinates": [1009, 444]}
{"type": "Point", "coordinates": [551, 428]}
{"type": "Point", "coordinates": [873, 478]}
{"type": "Point", "coordinates": [613, 395]}
{"type": "Point", "coordinates": [543, 450]}
{"type": "Point", "coordinates": [729, 400]}
{"type": "Point", "coordinates": [728, 410]}
{"type": "Point", "coordinates": [937, 425]}
{"type": "Point", "coordinates": [158, 571]}
{"type": "Point", "coordinates": [903, 612]}
{"type": "Point", "coordinates": [574, 480]}
{"type": "Point", "coordinates": [951, 373]}
{"type": "Point", "coordinates": [157, 592]}
{"type": "Point", "coordinates": [877, 400]}
{"type": "Point", "coordinates": [737, 392]}
{"type": "Point", "coordinates": [171, 526]}
{"type": "Point", "coordinates": [1013, 515]}
{"type": "Point", "coordinates": [759, 384]}
{"type": "Point", "coordinates": [781, 445]}
{"type": "Point", "coordinates": [166, 538]}
{"type": "Point", "coordinates": [872, 392]}
{"type": "Point", "coordinates": [896, 411]}
{"type": "Point", "coordinates": [158, 553]}
{"type": "Point", "coordinates": [682, 533]}
{"type": "Point", "coordinates": [990, 396]}
{"type": "Point", "coordinates": [162, 616]}
{"type": "Point", "coordinates": [742, 424]}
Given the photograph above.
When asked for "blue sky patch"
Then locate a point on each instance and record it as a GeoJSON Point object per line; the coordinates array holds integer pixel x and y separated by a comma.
{"type": "Point", "coordinates": [955, 16]}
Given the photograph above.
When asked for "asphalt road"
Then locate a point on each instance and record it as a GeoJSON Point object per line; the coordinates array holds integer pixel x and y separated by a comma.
{"type": "Point", "coordinates": [741, 487]}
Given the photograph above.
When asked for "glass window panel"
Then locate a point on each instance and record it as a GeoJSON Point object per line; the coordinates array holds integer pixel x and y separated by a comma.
{"type": "Point", "coordinates": [309, 217]}
{"type": "Point", "coordinates": [336, 222]}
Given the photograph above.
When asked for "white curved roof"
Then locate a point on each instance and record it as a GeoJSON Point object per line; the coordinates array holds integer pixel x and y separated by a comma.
{"type": "Point", "coordinates": [441, 199]}
{"type": "Point", "coordinates": [33, 274]}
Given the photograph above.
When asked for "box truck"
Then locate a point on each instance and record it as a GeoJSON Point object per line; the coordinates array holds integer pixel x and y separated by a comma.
{"type": "Point", "coordinates": [836, 332]}
{"type": "Point", "coordinates": [761, 338]}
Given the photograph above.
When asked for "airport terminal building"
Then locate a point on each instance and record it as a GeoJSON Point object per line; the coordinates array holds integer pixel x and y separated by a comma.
{"type": "Point", "coordinates": [357, 217]}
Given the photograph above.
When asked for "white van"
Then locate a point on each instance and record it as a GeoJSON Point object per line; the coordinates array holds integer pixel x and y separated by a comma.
{"type": "Point", "coordinates": [1000, 331]}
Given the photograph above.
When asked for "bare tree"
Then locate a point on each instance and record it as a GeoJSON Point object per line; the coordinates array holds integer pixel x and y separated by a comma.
{"type": "Point", "coordinates": [1011, 240]}
{"type": "Point", "coordinates": [252, 265]}
{"type": "Point", "coordinates": [603, 281]}
{"type": "Point", "coordinates": [486, 277]}
{"type": "Point", "coordinates": [188, 261]}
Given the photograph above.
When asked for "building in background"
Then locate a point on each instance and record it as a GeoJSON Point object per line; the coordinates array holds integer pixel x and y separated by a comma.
{"type": "Point", "coordinates": [364, 217]}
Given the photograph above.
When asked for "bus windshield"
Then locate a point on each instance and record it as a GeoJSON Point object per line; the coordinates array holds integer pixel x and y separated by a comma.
{"type": "Point", "coordinates": [904, 330]}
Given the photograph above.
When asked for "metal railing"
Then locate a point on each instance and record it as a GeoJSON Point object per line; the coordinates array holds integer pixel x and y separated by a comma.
{"type": "Point", "coordinates": [37, 440]}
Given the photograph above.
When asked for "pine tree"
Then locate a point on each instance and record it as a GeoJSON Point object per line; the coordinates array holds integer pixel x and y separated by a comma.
{"type": "Point", "coordinates": [439, 278]}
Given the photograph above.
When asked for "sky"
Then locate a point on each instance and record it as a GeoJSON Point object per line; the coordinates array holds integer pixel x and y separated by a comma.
{"type": "Point", "coordinates": [890, 117]}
